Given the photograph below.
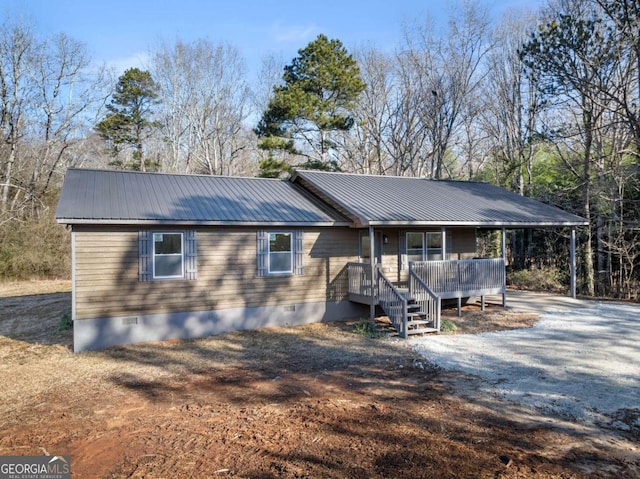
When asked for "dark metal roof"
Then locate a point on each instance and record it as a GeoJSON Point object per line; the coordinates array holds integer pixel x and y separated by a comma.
{"type": "Point", "coordinates": [392, 200]}
{"type": "Point", "coordinates": [123, 197]}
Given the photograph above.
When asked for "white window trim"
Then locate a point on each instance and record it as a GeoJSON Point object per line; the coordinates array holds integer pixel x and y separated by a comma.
{"type": "Point", "coordinates": [425, 243]}
{"type": "Point", "coordinates": [291, 252]}
{"type": "Point", "coordinates": [154, 255]}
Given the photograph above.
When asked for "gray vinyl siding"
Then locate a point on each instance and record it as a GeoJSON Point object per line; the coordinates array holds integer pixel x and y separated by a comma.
{"type": "Point", "coordinates": [107, 273]}
{"type": "Point", "coordinates": [463, 243]}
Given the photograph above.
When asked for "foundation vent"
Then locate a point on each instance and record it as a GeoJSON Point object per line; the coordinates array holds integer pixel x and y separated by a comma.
{"type": "Point", "coordinates": [130, 320]}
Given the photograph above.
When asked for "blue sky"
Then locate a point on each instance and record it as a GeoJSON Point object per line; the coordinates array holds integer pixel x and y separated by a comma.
{"type": "Point", "coordinates": [120, 33]}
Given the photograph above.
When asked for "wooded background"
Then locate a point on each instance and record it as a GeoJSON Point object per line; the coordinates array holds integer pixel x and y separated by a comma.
{"type": "Point", "coordinates": [546, 104]}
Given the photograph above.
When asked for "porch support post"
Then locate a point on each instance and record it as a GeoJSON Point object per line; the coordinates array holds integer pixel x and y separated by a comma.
{"type": "Point", "coordinates": [504, 260]}
{"type": "Point", "coordinates": [372, 264]}
{"type": "Point", "coordinates": [444, 243]}
{"type": "Point", "coordinates": [573, 263]}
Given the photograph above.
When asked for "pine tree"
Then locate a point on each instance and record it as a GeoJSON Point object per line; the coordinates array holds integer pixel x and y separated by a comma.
{"type": "Point", "coordinates": [128, 122]}
{"type": "Point", "coordinates": [320, 90]}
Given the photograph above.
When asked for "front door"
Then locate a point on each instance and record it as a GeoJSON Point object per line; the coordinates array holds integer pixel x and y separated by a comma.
{"type": "Point", "coordinates": [365, 255]}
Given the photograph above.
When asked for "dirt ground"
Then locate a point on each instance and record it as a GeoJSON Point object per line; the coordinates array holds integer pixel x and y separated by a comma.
{"type": "Point", "coordinates": [317, 401]}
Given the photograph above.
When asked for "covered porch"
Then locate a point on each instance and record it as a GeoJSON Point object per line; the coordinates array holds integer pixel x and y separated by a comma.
{"type": "Point", "coordinates": [415, 307]}
{"type": "Point", "coordinates": [418, 239]}
{"type": "Point", "coordinates": [412, 296]}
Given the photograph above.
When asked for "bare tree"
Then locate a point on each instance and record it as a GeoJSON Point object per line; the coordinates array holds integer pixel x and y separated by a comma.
{"type": "Point", "coordinates": [366, 144]}
{"type": "Point", "coordinates": [408, 135]}
{"type": "Point", "coordinates": [47, 97]}
{"type": "Point", "coordinates": [67, 97]}
{"type": "Point", "coordinates": [509, 115]}
{"type": "Point", "coordinates": [571, 51]}
{"type": "Point", "coordinates": [17, 47]}
{"type": "Point", "coordinates": [206, 101]}
{"type": "Point", "coordinates": [449, 70]}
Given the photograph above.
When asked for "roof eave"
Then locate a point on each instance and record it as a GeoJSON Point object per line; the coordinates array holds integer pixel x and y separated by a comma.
{"type": "Point", "coordinates": [169, 222]}
{"type": "Point", "coordinates": [480, 224]}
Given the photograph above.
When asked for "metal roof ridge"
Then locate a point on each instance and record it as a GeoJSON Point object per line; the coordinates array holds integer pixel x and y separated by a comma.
{"type": "Point", "coordinates": [372, 175]}
{"type": "Point", "coordinates": [358, 219]}
{"type": "Point", "coordinates": [164, 173]}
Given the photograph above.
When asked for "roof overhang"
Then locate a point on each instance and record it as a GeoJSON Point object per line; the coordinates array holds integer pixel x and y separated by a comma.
{"type": "Point", "coordinates": [170, 222]}
{"type": "Point", "coordinates": [475, 224]}
{"type": "Point", "coordinates": [362, 220]}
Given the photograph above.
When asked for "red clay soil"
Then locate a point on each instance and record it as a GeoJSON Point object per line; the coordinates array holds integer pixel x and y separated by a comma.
{"type": "Point", "coordinates": [316, 401]}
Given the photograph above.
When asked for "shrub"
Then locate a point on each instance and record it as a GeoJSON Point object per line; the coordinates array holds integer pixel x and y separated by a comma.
{"type": "Point", "coordinates": [66, 323]}
{"type": "Point", "coordinates": [35, 249]}
{"type": "Point", "coordinates": [365, 328]}
{"type": "Point", "coordinates": [548, 279]}
{"type": "Point", "coordinates": [447, 326]}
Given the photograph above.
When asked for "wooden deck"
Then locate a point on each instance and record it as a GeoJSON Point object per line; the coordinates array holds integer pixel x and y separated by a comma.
{"type": "Point", "coordinates": [416, 309]}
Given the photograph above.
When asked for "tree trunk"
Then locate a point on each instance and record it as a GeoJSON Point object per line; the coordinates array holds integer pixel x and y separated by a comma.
{"type": "Point", "coordinates": [8, 177]}
{"type": "Point", "coordinates": [589, 276]}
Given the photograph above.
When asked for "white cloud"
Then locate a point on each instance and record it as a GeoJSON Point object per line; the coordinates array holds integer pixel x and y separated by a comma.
{"type": "Point", "coordinates": [297, 34]}
{"type": "Point", "coordinates": [139, 60]}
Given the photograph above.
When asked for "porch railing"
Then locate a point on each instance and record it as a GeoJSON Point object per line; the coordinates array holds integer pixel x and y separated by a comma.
{"type": "Point", "coordinates": [360, 283]}
{"type": "Point", "coordinates": [393, 302]}
{"type": "Point", "coordinates": [429, 283]}
{"type": "Point", "coordinates": [429, 302]}
{"type": "Point", "coordinates": [461, 278]}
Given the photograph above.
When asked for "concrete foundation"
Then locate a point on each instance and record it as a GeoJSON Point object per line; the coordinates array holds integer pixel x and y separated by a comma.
{"type": "Point", "coordinates": [98, 333]}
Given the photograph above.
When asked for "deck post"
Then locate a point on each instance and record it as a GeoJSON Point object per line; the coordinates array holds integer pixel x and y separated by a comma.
{"type": "Point", "coordinates": [573, 263]}
{"type": "Point", "coordinates": [504, 260]}
{"type": "Point", "coordinates": [444, 242]}
{"type": "Point", "coordinates": [372, 256]}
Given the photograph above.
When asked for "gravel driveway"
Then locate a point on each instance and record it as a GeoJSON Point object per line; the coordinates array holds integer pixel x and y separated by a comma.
{"type": "Point", "coordinates": [582, 363]}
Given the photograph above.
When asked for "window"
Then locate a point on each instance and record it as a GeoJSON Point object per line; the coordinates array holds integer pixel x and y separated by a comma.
{"type": "Point", "coordinates": [167, 255]}
{"type": "Point", "coordinates": [415, 246]}
{"type": "Point", "coordinates": [280, 253]}
{"type": "Point", "coordinates": [434, 246]}
{"type": "Point", "coordinates": [422, 246]}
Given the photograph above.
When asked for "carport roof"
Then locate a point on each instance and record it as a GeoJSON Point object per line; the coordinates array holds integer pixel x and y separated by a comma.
{"type": "Point", "coordinates": [371, 200]}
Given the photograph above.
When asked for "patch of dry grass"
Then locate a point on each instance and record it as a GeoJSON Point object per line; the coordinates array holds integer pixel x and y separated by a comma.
{"type": "Point", "coordinates": [482, 322]}
{"type": "Point", "coordinates": [35, 287]}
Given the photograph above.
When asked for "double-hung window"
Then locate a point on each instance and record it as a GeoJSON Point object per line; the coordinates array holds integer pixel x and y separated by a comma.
{"type": "Point", "coordinates": [280, 253]}
{"type": "Point", "coordinates": [168, 260]}
{"type": "Point", "coordinates": [168, 255]}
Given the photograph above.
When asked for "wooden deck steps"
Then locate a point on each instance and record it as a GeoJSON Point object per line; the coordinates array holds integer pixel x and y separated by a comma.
{"type": "Point", "coordinates": [417, 320]}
